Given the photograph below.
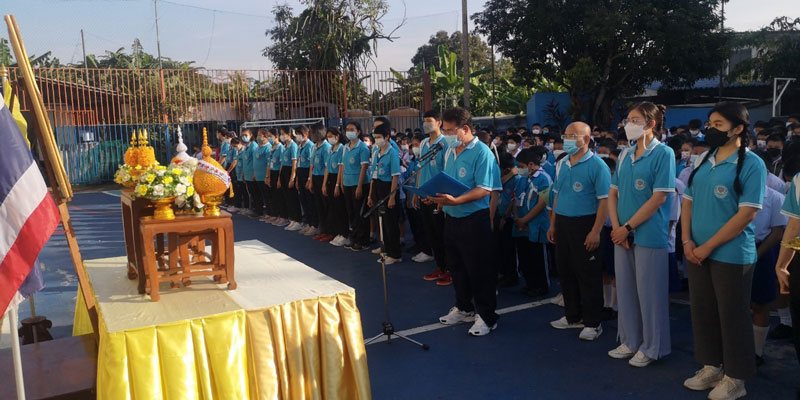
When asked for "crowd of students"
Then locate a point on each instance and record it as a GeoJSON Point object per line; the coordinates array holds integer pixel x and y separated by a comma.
{"type": "Point", "coordinates": [601, 209]}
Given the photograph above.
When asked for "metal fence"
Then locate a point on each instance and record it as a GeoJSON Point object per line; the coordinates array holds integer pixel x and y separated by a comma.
{"type": "Point", "coordinates": [94, 111]}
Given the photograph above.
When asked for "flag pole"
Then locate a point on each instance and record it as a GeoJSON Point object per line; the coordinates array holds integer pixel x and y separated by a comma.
{"type": "Point", "coordinates": [12, 322]}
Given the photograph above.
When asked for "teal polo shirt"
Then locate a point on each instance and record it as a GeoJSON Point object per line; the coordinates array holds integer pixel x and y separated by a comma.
{"type": "Point", "coordinates": [275, 157]}
{"type": "Point", "coordinates": [231, 155]}
{"type": "Point", "coordinates": [224, 149]}
{"type": "Point", "coordinates": [636, 181]}
{"type": "Point", "coordinates": [240, 163]}
{"type": "Point", "coordinates": [289, 154]}
{"type": "Point", "coordinates": [261, 161]}
{"type": "Point", "coordinates": [436, 164]}
{"type": "Point", "coordinates": [791, 204]}
{"type": "Point", "coordinates": [319, 158]}
{"type": "Point", "coordinates": [249, 155]}
{"type": "Point", "coordinates": [474, 167]}
{"type": "Point", "coordinates": [304, 155]}
{"type": "Point", "coordinates": [506, 196]}
{"type": "Point", "coordinates": [386, 164]}
{"type": "Point", "coordinates": [714, 203]}
{"type": "Point", "coordinates": [352, 159]}
{"type": "Point", "coordinates": [528, 193]}
{"type": "Point", "coordinates": [334, 158]}
{"type": "Point", "coordinates": [581, 186]}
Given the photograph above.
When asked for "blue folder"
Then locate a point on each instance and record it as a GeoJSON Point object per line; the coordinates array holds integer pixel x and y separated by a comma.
{"type": "Point", "coordinates": [441, 183]}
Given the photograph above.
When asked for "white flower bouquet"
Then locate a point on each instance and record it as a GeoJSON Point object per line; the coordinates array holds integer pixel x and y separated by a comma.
{"type": "Point", "coordinates": [164, 182]}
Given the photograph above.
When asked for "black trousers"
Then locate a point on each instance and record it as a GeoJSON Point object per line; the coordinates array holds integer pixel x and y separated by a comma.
{"type": "Point", "coordinates": [320, 207]}
{"type": "Point", "coordinates": [794, 300]}
{"type": "Point", "coordinates": [242, 195]}
{"type": "Point", "coordinates": [468, 258]}
{"type": "Point", "coordinates": [336, 218]}
{"type": "Point", "coordinates": [359, 225]}
{"type": "Point", "coordinates": [581, 271]}
{"type": "Point", "coordinates": [227, 199]}
{"type": "Point", "coordinates": [306, 202]}
{"type": "Point", "coordinates": [532, 263]}
{"type": "Point", "coordinates": [433, 225]}
{"type": "Point", "coordinates": [278, 203]}
{"type": "Point", "coordinates": [417, 230]}
{"type": "Point", "coordinates": [505, 249]}
{"type": "Point", "coordinates": [290, 195]}
{"type": "Point", "coordinates": [263, 193]}
{"type": "Point", "coordinates": [391, 217]}
{"type": "Point", "coordinates": [255, 197]}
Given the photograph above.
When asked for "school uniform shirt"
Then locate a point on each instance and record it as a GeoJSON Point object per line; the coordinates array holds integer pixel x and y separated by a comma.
{"type": "Point", "coordinates": [791, 203]}
{"type": "Point", "coordinates": [240, 163]}
{"type": "Point", "coordinates": [352, 160]}
{"type": "Point", "coordinates": [224, 148]}
{"type": "Point", "coordinates": [675, 213]}
{"type": "Point", "coordinates": [334, 160]}
{"type": "Point", "coordinates": [551, 158]}
{"type": "Point", "coordinates": [775, 183]}
{"type": "Point", "coordinates": [289, 154]}
{"type": "Point", "coordinates": [261, 159]}
{"type": "Point", "coordinates": [548, 168]}
{"type": "Point", "coordinates": [231, 155]}
{"type": "Point", "coordinates": [249, 154]}
{"type": "Point", "coordinates": [636, 181]}
{"type": "Point", "coordinates": [684, 175]}
{"type": "Point", "coordinates": [580, 187]}
{"type": "Point", "coordinates": [275, 157]}
{"type": "Point", "coordinates": [714, 203]}
{"type": "Point", "coordinates": [371, 167]}
{"type": "Point", "coordinates": [680, 166]}
{"type": "Point", "coordinates": [770, 214]}
{"type": "Point", "coordinates": [304, 154]}
{"type": "Point", "coordinates": [474, 167]}
{"type": "Point", "coordinates": [386, 164]}
{"type": "Point", "coordinates": [320, 157]}
{"type": "Point", "coordinates": [529, 192]}
{"type": "Point", "coordinates": [436, 164]}
{"type": "Point", "coordinates": [508, 194]}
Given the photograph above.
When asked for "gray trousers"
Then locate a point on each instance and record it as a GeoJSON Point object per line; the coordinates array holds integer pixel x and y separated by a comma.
{"type": "Point", "coordinates": [723, 330]}
{"type": "Point", "coordinates": [642, 275]}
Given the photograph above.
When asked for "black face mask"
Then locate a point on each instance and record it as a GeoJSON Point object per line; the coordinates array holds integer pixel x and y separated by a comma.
{"type": "Point", "coordinates": [773, 153]}
{"type": "Point", "coordinates": [716, 137]}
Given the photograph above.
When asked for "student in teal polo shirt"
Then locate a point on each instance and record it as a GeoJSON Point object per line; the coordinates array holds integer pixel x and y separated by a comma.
{"type": "Point", "coordinates": [288, 178]}
{"type": "Point", "coordinates": [531, 222]}
{"type": "Point", "coordinates": [788, 267]}
{"type": "Point", "coordinates": [721, 200]}
{"type": "Point", "coordinates": [234, 174]}
{"type": "Point", "coordinates": [248, 154]}
{"type": "Point", "coordinates": [639, 208]}
{"type": "Point", "coordinates": [273, 181]}
{"type": "Point", "coordinates": [579, 211]}
{"type": "Point", "coordinates": [260, 166]}
{"type": "Point", "coordinates": [336, 227]}
{"type": "Point", "coordinates": [467, 224]}
{"type": "Point", "coordinates": [224, 145]}
{"type": "Point", "coordinates": [505, 250]}
{"type": "Point", "coordinates": [355, 161]}
{"type": "Point", "coordinates": [319, 157]}
{"type": "Point", "coordinates": [386, 163]}
{"type": "Point", "coordinates": [241, 160]}
{"type": "Point", "coordinates": [304, 149]}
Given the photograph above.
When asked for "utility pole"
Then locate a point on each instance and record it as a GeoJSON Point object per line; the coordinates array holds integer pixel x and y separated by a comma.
{"type": "Point", "coordinates": [465, 50]}
{"type": "Point", "coordinates": [85, 60]}
{"type": "Point", "coordinates": [494, 93]}
{"type": "Point", "coordinates": [158, 38]}
{"type": "Point", "coordinates": [160, 65]}
{"type": "Point", "coordinates": [722, 66]}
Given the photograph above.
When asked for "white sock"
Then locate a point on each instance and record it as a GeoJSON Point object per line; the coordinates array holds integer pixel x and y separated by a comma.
{"type": "Point", "coordinates": [760, 335]}
{"type": "Point", "coordinates": [614, 297]}
{"type": "Point", "coordinates": [607, 300]}
{"type": "Point", "coordinates": [786, 316]}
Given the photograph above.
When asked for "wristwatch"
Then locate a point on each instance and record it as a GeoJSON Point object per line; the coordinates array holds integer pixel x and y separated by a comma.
{"type": "Point", "coordinates": [628, 227]}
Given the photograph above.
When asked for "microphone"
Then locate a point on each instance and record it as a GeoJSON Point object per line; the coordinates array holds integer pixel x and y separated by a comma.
{"type": "Point", "coordinates": [432, 151]}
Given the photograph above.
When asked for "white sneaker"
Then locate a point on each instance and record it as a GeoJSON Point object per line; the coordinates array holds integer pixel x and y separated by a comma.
{"type": "Point", "coordinates": [456, 316]}
{"type": "Point", "coordinates": [621, 352]}
{"type": "Point", "coordinates": [305, 231]}
{"type": "Point", "coordinates": [558, 300]}
{"type": "Point", "coordinates": [376, 250]}
{"type": "Point", "coordinates": [300, 226]}
{"type": "Point", "coordinates": [705, 378]}
{"type": "Point", "coordinates": [346, 241]}
{"type": "Point", "coordinates": [422, 257]}
{"type": "Point", "coordinates": [391, 260]}
{"type": "Point", "coordinates": [640, 360]}
{"type": "Point", "coordinates": [591, 333]}
{"type": "Point", "coordinates": [281, 222]}
{"type": "Point", "coordinates": [337, 241]}
{"type": "Point", "coordinates": [233, 209]}
{"type": "Point", "coordinates": [294, 227]}
{"type": "Point", "coordinates": [562, 323]}
{"type": "Point", "coordinates": [728, 389]}
{"type": "Point", "coordinates": [479, 328]}
{"type": "Point", "coordinates": [311, 231]}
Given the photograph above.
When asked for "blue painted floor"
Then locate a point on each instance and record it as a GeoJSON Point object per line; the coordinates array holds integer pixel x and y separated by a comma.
{"type": "Point", "coordinates": [523, 359]}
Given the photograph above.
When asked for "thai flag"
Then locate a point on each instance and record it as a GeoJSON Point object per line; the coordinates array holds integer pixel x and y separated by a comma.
{"type": "Point", "coordinates": [28, 215]}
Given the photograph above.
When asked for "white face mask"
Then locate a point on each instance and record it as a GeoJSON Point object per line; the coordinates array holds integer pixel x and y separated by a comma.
{"type": "Point", "coordinates": [332, 141]}
{"type": "Point", "coordinates": [299, 139]}
{"type": "Point", "coordinates": [512, 146]}
{"type": "Point", "coordinates": [761, 144]}
{"type": "Point", "coordinates": [557, 152]}
{"type": "Point", "coordinates": [694, 132]}
{"type": "Point", "coordinates": [633, 131]}
{"type": "Point", "coordinates": [416, 150]}
{"type": "Point", "coordinates": [380, 142]}
{"type": "Point", "coordinates": [428, 127]}
{"type": "Point", "coordinates": [549, 146]}
{"type": "Point", "coordinates": [536, 131]}
{"type": "Point", "coordinates": [524, 172]}
{"type": "Point", "coordinates": [602, 155]}
{"type": "Point", "coordinates": [693, 158]}
{"type": "Point", "coordinates": [404, 147]}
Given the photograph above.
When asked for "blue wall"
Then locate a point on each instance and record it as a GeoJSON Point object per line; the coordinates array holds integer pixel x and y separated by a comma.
{"type": "Point", "coordinates": [538, 104]}
{"type": "Point", "coordinates": [682, 116]}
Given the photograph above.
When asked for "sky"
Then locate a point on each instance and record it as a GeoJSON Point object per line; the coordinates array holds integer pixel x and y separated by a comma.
{"type": "Point", "coordinates": [229, 34]}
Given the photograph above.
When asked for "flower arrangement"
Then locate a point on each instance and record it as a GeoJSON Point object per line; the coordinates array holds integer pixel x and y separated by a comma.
{"type": "Point", "coordinates": [123, 176]}
{"type": "Point", "coordinates": [161, 182]}
{"type": "Point", "coordinates": [188, 199]}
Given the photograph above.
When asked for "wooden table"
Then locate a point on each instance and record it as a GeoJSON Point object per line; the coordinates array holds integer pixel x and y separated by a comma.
{"type": "Point", "coordinates": [133, 209]}
{"type": "Point", "coordinates": [186, 235]}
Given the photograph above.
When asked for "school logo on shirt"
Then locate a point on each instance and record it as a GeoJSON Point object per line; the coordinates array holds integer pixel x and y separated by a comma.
{"type": "Point", "coordinates": [380, 171]}
{"type": "Point", "coordinates": [721, 191]}
{"type": "Point", "coordinates": [639, 184]}
{"type": "Point", "coordinates": [462, 172]}
{"type": "Point", "coordinates": [352, 161]}
{"type": "Point", "coordinates": [577, 186]}
{"type": "Point", "coordinates": [433, 163]}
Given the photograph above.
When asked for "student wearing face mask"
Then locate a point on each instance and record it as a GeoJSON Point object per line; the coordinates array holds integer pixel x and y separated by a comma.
{"type": "Point", "coordinates": [224, 145]}
{"type": "Point", "coordinates": [421, 247]}
{"type": "Point", "coordinates": [319, 159]}
{"type": "Point", "coordinates": [234, 168]}
{"type": "Point", "coordinates": [355, 162]}
{"type": "Point", "coordinates": [278, 200]}
{"type": "Point", "coordinates": [774, 150]}
{"type": "Point", "coordinates": [685, 154]}
{"type": "Point", "coordinates": [579, 207]}
{"type": "Point", "coordinates": [721, 200]}
{"type": "Point", "coordinates": [287, 180]}
{"type": "Point", "coordinates": [639, 208]}
{"type": "Point", "coordinates": [698, 150]}
{"type": "Point", "coordinates": [335, 227]}
{"type": "Point", "coordinates": [695, 127]}
{"type": "Point", "coordinates": [386, 164]}
{"type": "Point", "coordinates": [514, 144]}
{"type": "Point", "coordinates": [308, 222]}
{"type": "Point", "coordinates": [244, 197]}
{"type": "Point", "coordinates": [260, 166]}
{"type": "Point", "coordinates": [505, 251]}
{"type": "Point", "coordinates": [248, 155]}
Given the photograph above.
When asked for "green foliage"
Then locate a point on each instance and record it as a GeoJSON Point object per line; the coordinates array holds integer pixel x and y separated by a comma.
{"type": "Point", "coordinates": [427, 55]}
{"type": "Point", "coordinates": [777, 54]}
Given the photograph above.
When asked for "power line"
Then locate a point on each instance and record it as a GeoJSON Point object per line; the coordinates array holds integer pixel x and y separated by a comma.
{"type": "Point", "coordinates": [211, 38]}
{"type": "Point", "coordinates": [216, 10]}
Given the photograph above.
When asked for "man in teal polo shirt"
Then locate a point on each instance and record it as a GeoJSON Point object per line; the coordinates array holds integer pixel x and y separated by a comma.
{"type": "Point", "coordinates": [260, 165]}
{"type": "Point", "coordinates": [248, 172]}
{"type": "Point", "coordinates": [467, 224]}
{"type": "Point", "coordinates": [579, 210]}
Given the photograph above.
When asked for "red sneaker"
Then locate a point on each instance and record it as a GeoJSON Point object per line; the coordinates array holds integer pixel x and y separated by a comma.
{"type": "Point", "coordinates": [445, 279]}
{"type": "Point", "coordinates": [318, 237]}
{"type": "Point", "coordinates": [326, 238]}
{"type": "Point", "coordinates": [434, 276]}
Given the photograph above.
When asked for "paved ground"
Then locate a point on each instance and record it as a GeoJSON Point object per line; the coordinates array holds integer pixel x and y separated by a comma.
{"type": "Point", "coordinates": [523, 359]}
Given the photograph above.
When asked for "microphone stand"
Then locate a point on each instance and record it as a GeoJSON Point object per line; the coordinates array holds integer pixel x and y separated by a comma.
{"type": "Point", "coordinates": [388, 329]}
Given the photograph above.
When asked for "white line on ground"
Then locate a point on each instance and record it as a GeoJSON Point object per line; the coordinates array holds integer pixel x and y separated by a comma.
{"type": "Point", "coordinates": [433, 327]}
{"type": "Point", "coordinates": [112, 194]}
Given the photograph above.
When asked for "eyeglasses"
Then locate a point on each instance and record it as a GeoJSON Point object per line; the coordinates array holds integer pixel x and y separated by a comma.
{"type": "Point", "coordinates": [450, 132]}
{"type": "Point", "coordinates": [635, 121]}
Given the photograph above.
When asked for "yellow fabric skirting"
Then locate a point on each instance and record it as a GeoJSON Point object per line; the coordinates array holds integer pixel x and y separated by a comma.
{"type": "Point", "coordinates": [306, 349]}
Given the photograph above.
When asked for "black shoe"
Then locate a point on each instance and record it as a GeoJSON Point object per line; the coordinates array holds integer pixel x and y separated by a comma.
{"type": "Point", "coordinates": [608, 314]}
{"type": "Point", "coordinates": [349, 246]}
{"type": "Point", "coordinates": [508, 281]}
{"type": "Point", "coordinates": [357, 247]}
{"type": "Point", "coordinates": [781, 332]}
{"type": "Point", "coordinates": [759, 361]}
{"type": "Point", "coordinates": [535, 292]}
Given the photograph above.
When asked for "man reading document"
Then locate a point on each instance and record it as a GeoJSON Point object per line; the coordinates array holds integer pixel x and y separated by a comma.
{"type": "Point", "coordinates": [466, 227]}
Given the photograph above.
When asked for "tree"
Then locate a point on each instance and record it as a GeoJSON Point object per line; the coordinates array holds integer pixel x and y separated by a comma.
{"type": "Point", "coordinates": [327, 34]}
{"type": "Point", "coordinates": [427, 55]}
{"type": "Point", "coordinates": [602, 50]}
{"type": "Point", "coordinates": [777, 55]}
